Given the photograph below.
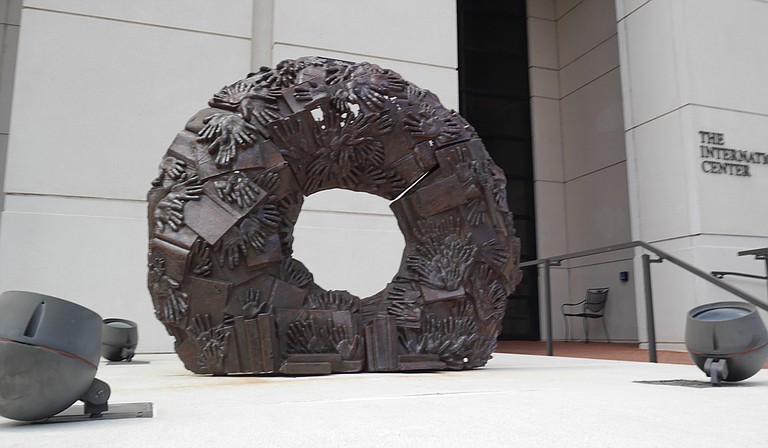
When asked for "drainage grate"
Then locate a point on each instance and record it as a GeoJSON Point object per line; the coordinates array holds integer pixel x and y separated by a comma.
{"type": "Point", "coordinates": [685, 383]}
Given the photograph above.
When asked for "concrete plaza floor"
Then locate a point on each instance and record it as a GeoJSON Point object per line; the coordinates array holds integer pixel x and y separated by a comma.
{"type": "Point", "coordinates": [515, 401]}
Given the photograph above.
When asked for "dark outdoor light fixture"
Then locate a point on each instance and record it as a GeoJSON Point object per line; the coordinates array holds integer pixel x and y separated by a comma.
{"type": "Point", "coordinates": [118, 339]}
{"type": "Point", "coordinates": [727, 340]}
{"type": "Point", "coordinates": [49, 354]}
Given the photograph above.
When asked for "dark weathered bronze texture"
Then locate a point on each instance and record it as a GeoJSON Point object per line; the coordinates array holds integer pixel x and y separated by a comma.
{"type": "Point", "coordinates": [230, 188]}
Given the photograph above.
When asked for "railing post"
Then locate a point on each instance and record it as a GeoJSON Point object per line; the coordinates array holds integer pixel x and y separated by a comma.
{"type": "Point", "coordinates": [649, 308]}
{"type": "Point", "coordinates": [766, 268]}
{"type": "Point", "coordinates": [548, 307]}
{"type": "Point", "coordinates": [764, 257]}
{"type": "Point", "coordinates": [760, 254]}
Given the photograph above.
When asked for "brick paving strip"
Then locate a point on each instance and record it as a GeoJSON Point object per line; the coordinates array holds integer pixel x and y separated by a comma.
{"type": "Point", "coordinates": [594, 350]}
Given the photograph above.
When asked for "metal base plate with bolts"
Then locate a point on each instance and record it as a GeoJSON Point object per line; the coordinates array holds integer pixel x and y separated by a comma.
{"type": "Point", "coordinates": [77, 413]}
{"type": "Point", "coordinates": [132, 362]}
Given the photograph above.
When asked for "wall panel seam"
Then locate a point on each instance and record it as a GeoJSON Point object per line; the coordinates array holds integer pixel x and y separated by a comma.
{"type": "Point", "coordinates": [590, 50]}
{"type": "Point", "coordinates": [387, 58]}
{"type": "Point", "coordinates": [134, 22]}
{"type": "Point", "coordinates": [67, 196]}
{"type": "Point", "coordinates": [591, 81]}
{"type": "Point", "coordinates": [603, 168]}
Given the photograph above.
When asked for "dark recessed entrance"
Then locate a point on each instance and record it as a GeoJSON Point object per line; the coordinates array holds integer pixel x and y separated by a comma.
{"type": "Point", "coordinates": [494, 97]}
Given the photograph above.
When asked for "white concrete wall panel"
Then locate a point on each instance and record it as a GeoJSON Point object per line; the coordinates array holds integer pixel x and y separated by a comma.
{"type": "Point", "coordinates": [627, 7]}
{"type": "Point", "coordinates": [726, 48]}
{"type": "Point", "coordinates": [345, 201]}
{"type": "Point", "coordinates": [597, 213]}
{"type": "Point", "coordinates": [542, 9]}
{"type": "Point", "coordinates": [547, 144]}
{"type": "Point", "coordinates": [349, 240]}
{"type": "Point", "coordinates": [544, 82]}
{"type": "Point", "coordinates": [550, 219]}
{"type": "Point", "coordinates": [10, 16]}
{"type": "Point", "coordinates": [9, 40]}
{"type": "Point", "coordinates": [584, 28]}
{"type": "Point", "coordinates": [651, 62]}
{"type": "Point", "coordinates": [590, 66]}
{"type": "Point", "coordinates": [396, 29]}
{"type": "Point", "coordinates": [10, 12]}
{"type": "Point", "coordinates": [663, 203]}
{"type": "Point", "coordinates": [228, 17]}
{"type": "Point", "coordinates": [720, 198]}
{"type": "Point", "coordinates": [98, 98]}
{"type": "Point", "coordinates": [63, 247]}
{"type": "Point", "coordinates": [94, 111]}
{"type": "Point", "coordinates": [3, 152]}
{"type": "Point", "coordinates": [356, 252]}
{"type": "Point", "coordinates": [674, 59]}
{"type": "Point", "coordinates": [542, 43]}
{"type": "Point", "coordinates": [593, 128]}
{"type": "Point", "coordinates": [563, 7]}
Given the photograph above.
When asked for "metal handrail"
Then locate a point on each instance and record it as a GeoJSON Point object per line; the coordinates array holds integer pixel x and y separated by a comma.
{"type": "Point", "coordinates": [721, 274]}
{"type": "Point", "coordinates": [760, 254]}
{"type": "Point", "coordinates": [557, 260]}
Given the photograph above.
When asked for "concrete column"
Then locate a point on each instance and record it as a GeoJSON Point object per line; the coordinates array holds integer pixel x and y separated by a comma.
{"type": "Point", "coordinates": [262, 38]}
{"type": "Point", "coordinates": [10, 19]}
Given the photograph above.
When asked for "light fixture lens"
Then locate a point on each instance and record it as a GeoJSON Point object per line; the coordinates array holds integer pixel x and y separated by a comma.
{"type": "Point", "coordinates": [721, 314]}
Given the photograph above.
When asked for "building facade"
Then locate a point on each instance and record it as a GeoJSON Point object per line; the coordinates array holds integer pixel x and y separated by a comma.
{"type": "Point", "coordinates": [647, 122]}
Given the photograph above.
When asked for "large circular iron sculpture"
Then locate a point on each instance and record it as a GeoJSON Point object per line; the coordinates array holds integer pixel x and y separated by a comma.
{"type": "Point", "coordinates": [49, 353]}
{"type": "Point", "coordinates": [229, 192]}
{"type": "Point", "coordinates": [727, 340]}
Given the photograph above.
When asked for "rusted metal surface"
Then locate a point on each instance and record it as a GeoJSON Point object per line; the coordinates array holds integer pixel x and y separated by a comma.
{"type": "Point", "coordinates": [228, 194]}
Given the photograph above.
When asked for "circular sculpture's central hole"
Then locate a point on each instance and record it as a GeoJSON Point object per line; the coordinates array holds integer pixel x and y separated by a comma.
{"type": "Point", "coordinates": [349, 241]}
